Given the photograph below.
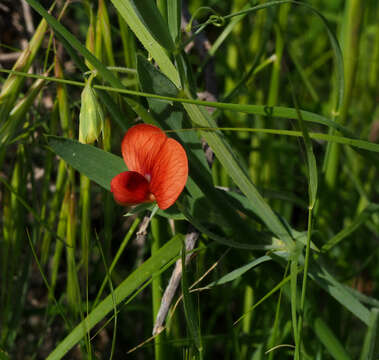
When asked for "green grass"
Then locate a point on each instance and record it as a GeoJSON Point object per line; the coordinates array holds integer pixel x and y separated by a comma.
{"type": "Point", "coordinates": [285, 265]}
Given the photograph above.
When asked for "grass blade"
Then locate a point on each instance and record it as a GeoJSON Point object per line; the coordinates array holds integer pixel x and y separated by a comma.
{"type": "Point", "coordinates": [129, 14]}
{"type": "Point", "coordinates": [371, 339]}
{"type": "Point", "coordinates": [125, 289]}
{"type": "Point", "coordinates": [330, 341]}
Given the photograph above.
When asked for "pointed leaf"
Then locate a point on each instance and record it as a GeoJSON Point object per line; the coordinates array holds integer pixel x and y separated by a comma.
{"type": "Point", "coordinates": [149, 14]}
{"type": "Point", "coordinates": [130, 15]}
{"type": "Point", "coordinates": [100, 166]}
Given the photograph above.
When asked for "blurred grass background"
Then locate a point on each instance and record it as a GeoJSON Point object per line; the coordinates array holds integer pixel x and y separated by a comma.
{"type": "Point", "coordinates": [61, 234]}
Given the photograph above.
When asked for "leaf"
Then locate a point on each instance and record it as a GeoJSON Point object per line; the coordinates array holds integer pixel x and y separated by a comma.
{"type": "Point", "coordinates": [149, 14]}
{"type": "Point", "coordinates": [311, 159]}
{"type": "Point", "coordinates": [98, 165]}
{"type": "Point", "coordinates": [368, 349]}
{"type": "Point", "coordinates": [325, 280]}
{"type": "Point", "coordinates": [235, 274]}
{"type": "Point", "coordinates": [174, 18]}
{"type": "Point", "coordinates": [164, 255]}
{"type": "Point", "coordinates": [189, 307]}
{"type": "Point", "coordinates": [129, 14]}
{"type": "Point", "coordinates": [153, 81]}
{"type": "Point", "coordinates": [354, 225]}
{"type": "Point", "coordinates": [329, 340]}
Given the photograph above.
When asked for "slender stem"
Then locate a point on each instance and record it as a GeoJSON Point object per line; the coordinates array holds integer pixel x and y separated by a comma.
{"type": "Point", "coordinates": [156, 230]}
{"type": "Point", "coordinates": [350, 45]}
{"type": "Point", "coordinates": [294, 271]}
{"type": "Point", "coordinates": [305, 277]}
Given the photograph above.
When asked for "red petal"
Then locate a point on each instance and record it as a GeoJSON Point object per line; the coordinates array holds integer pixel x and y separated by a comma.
{"type": "Point", "coordinates": [140, 147]}
{"type": "Point", "coordinates": [169, 173]}
{"type": "Point", "coordinates": [148, 151]}
{"type": "Point", "coordinates": [130, 188]}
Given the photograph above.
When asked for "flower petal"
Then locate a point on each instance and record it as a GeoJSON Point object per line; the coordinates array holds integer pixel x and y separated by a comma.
{"type": "Point", "coordinates": [130, 188]}
{"type": "Point", "coordinates": [169, 173]}
{"type": "Point", "coordinates": [140, 147]}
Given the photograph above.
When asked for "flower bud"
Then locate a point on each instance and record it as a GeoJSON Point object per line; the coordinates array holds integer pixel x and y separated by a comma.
{"type": "Point", "coordinates": [91, 118]}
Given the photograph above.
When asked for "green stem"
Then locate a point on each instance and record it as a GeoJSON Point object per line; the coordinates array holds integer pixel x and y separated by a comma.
{"type": "Point", "coordinates": [246, 322]}
{"type": "Point", "coordinates": [107, 197]}
{"type": "Point", "coordinates": [294, 272]}
{"type": "Point", "coordinates": [85, 195]}
{"type": "Point", "coordinates": [350, 45]}
{"type": "Point", "coordinates": [61, 232]}
{"type": "Point", "coordinates": [156, 230]}
{"type": "Point", "coordinates": [305, 277]}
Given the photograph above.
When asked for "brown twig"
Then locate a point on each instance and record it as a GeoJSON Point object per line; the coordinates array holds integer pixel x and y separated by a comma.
{"type": "Point", "coordinates": [141, 237]}
{"type": "Point", "coordinates": [173, 284]}
{"type": "Point", "coordinates": [28, 17]}
{"type": "Point", "coordinates": [10, 57]}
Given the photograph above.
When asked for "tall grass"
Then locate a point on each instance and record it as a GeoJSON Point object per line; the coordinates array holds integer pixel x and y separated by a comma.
{"type": "Point", "coordinates": [276, 105]}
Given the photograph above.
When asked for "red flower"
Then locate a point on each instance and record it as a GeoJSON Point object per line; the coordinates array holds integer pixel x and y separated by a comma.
{"type": "Point", "coordinates": [158, 168]}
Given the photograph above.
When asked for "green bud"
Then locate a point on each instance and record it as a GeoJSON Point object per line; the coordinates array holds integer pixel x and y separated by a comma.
{"type": "Point", "coordinates": [91, 118]}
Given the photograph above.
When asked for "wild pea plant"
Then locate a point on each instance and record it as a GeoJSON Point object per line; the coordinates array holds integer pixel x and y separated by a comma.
{"type": "Point", "coordinates": [268, 250]}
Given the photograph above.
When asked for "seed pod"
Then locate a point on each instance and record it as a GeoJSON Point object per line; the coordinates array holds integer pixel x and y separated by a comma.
{"type": "Point", "coordinates": [91, 118]}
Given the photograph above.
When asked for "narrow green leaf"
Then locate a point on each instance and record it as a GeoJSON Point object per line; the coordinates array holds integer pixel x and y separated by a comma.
{"type": "Point", "coordinates": [235, 274]}
{"type": "Point", "coordinates": [153, 81]}
{"type": "Point", "coordinates": [265, 297]}
{"type": "Point", "coordinates": [329, 340]}
{"type": "Point", "coordinates": [165, 254]}
{"type": "Point", "coordinates": [324, 279]}
{"type": "Point", "coordinates": [349, 229]}
{"type": "Point", "coordinates": [371, 339]}
{"type": "Point", "coordinates": [311, 159]}
{"type": "Point", "coordinates": [149, 14]}
{"type": "Point", "coordinates": [129, 14]}
{"type": "Point", "coordinates": [106, 32]}
{"type": "Point", "coordinates": [189, 307]}
{"type": "Point", "coordinates": [99, 165]}
{"type": "Point", "coordinates": [174, 18]}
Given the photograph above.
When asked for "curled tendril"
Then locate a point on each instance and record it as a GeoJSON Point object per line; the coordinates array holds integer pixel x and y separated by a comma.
{"type": "Point", "coordinates": [197, 14]}
{"type": "Point", "coordinates": [217, 20]}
